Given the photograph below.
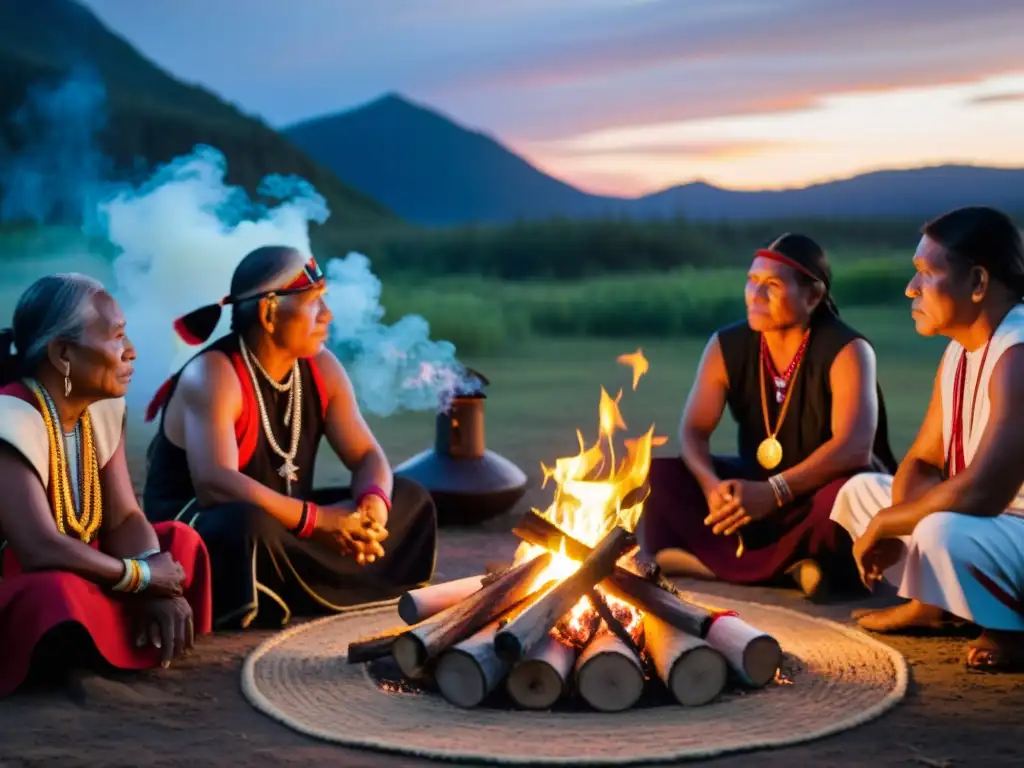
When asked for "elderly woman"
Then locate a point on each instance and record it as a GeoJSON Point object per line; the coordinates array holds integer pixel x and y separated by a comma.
{"type": "Point", "coordinates": [77, 550]}
{"type": "Point", "coordinates": [800, 385]}
{"type": "Point", "coordinates": [234, 454]}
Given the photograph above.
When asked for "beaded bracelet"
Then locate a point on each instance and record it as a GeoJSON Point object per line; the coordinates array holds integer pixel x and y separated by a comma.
{"type": "Point", "coordinates": [136, 578]}
{"type": "Point", "coordinates": [126, 578]}
{"type": "Point", "coordinates": [781, 489]}
{"type": "Point", "coordinates": [145, 576]}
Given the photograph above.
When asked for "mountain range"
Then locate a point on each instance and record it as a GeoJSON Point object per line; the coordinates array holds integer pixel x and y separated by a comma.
{"type": "Point", "coordinates": [393, 159]}
{"type": "Point", "coordinates": [431, 170]}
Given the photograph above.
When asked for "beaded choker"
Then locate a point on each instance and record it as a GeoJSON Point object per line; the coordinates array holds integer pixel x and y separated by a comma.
{"type": "Point", "coordinates": [86, 520]}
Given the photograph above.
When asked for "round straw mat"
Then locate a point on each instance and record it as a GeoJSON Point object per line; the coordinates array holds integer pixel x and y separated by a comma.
{"type": "Point", "coordinates": [833, 678]}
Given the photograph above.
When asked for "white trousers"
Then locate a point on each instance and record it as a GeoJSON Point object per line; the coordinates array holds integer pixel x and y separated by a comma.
{"type": "Point", "coordinates": [972, 567]}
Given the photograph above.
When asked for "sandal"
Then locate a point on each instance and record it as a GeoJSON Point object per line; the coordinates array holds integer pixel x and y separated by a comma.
{"type": "Point", "coordinates": [989, 655]}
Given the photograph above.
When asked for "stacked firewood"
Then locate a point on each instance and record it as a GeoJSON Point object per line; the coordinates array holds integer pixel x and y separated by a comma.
{"type": "Point", "coordinates": [469, 636]}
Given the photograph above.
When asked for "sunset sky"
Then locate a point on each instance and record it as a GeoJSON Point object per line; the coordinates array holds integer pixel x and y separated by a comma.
{"type": "Point", "coordinates": [630, 96]}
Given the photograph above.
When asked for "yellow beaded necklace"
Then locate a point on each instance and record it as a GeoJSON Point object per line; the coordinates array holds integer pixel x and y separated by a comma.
{"type": "Point", "coordinates": [86, 524]}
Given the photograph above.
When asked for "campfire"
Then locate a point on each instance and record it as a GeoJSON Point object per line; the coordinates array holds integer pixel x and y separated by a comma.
{"type": "Point", "coordinates": [578, 610]}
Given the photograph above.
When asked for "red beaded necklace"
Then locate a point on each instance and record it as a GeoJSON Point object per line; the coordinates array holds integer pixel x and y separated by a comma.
{"type": "Point", "coordinates": [780, 381]}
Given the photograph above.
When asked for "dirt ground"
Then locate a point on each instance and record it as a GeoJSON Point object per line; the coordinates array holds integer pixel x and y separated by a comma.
{"type": "Point", "coordinates": [194, 714]}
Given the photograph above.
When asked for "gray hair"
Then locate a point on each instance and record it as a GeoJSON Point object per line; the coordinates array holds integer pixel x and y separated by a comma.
{"type": "Point", "coordinates": [55, 307]}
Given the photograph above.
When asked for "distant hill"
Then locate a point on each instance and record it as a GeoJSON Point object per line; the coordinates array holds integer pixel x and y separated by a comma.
{"type": "Point", "coordinates": [911, 193]}
{"type": "Point", "coordinates": [152, 115]}
{"type": "Point", "coordinates": [430, 170]}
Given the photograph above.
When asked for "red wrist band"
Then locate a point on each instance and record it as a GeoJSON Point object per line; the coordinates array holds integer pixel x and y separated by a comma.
{"type": "Point", "coordinates": [375, 490]}
{"type": "Point", "coordinates": [309, 524]}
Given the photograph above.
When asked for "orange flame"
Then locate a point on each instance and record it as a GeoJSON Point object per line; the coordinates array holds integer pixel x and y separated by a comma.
{"type": "Point", "coordinates": [637, 362]}
{"type": "Point", "coordinates": [593, 494]}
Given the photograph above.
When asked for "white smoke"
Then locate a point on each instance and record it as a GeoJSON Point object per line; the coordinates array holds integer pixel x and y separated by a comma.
{"type": "Point", "coordinates": [179, 236]}
{"type": "Point", "coordinates": [183, 232]}
{"type": "Point", "coordinates": [392, 366]}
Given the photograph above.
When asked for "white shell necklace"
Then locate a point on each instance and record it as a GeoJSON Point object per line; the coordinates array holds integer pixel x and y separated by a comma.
{"type": "Point", "coordinates": [293, 412]}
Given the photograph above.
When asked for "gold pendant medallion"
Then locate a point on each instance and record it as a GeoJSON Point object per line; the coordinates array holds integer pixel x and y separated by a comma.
{"type": "Point", "coordinates": [769, 453]}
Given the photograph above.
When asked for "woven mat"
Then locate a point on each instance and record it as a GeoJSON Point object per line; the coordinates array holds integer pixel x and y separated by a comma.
{"type": "Point", "coordinates": [834, 678]}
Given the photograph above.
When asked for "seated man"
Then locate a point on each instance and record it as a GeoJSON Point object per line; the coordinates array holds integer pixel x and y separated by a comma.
{"type": "Point", "coordinates": [82, 569]}
{"type": "Point", "coordinates": [235, 449]}
{"type": "Point", "coordinates": [801, 386]}
{"type": "Point", "coordinates": [949, 527]}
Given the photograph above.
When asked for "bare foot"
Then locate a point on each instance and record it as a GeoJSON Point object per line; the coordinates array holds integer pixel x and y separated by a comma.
{"type": "Point", "coordinates": [996, 651]}
{"type": "Point", "coordinates": [678, 562]}
{"type": "Point", "coordinates": [809, 577]}
{"type": "Point", "coordinates": [912, 616]}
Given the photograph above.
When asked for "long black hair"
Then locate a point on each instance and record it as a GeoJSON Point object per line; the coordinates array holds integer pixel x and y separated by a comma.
{"type": "Point", "coordinates": [810, 263]}
{"type": "Point", "coordinates": [983, 237]}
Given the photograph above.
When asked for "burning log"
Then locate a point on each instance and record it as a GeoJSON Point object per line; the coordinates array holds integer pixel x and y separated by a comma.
{"type": "Point", "coordinates": [753, 655]}
{"type": "Point", "coordinates": [426, 640]}
{"type": "Point", "coordinates": [534, 529]}
{"type": "Point", "coordinates": [693, 671]}
{"type": "Point", "coordinates": [602, 609]}
{"type": "Point", "coordinates": [609, 676]}
{"type": "Point", "coordinates": [540, 679]}
{"type": "Point", "coordinates": [652, 599]}
{"type": "Point", "coordinates": [532, 625]}
{"type": "Point", "coordinates": [418, 604]}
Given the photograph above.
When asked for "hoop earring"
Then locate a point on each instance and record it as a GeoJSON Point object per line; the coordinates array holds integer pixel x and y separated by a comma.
{"type": "Point", "coordinates": [67, 379]}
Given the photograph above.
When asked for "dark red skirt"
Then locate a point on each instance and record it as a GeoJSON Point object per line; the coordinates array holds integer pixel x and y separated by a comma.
{"type": "Point", "coordinates": [674, 518]}
{"type": "Point", "coordinates": [33, 604]}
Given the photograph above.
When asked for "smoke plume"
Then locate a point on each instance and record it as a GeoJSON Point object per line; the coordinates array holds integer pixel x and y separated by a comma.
{"type": "Point", "coordinates": [58, 173]}
{"type": "Point", "coordinates": [179, 235]}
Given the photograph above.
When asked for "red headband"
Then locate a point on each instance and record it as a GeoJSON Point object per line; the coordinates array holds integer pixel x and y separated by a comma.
{"type": "Point", "coordinates": [306, 277]}
{"type": "Point", "coordinates": [766, 253]}
{"type": "Point", "coordinates": [197, 326]}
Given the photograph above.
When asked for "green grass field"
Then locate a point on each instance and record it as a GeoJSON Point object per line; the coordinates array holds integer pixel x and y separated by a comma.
{"type": "Point", "coordinates": [544, 389]}
{"type": "Point", "coordinates": [482, 315]}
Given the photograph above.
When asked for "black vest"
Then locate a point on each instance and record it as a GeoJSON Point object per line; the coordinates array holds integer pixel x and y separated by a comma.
{"type": "Point", "coordinates": [169, 483]}
{"type": "Point", "coordinates": [808, 422]}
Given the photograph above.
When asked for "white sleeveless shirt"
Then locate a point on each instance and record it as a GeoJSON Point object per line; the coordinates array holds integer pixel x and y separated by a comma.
{"type": "Point", "coordinates": [1009, 334]}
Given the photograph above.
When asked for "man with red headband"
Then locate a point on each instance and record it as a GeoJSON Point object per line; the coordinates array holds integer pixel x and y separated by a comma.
{"type": "Point", "coordinates": [236, 445]}
{"type": "Point", "coordinates": [949, 527]}
{"type": "Point", "coordinates": [800, 385]}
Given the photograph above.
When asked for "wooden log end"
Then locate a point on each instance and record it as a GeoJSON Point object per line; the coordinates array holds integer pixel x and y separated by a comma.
{"type": "Point", "coordinates": [762, 659]}
{"type": "Point", "coordinates": [609, 676]}
{"type": "Point", "coordinates": [467, 673]}
{"type": "Point", "coordinates": [534, 684]}
{"type": "Point", "coordinates": [460, 679]}
{"type": "Point", "coordinates": [407, 609]}
{"type": "Point", "coordinates": [698, 677]}
{"type": "Point", "coordinates": [539, 681]}
{"type": "Point", "coordinates": [410, 655]}
{"type": "Point", "coordinates": [754, 656]}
